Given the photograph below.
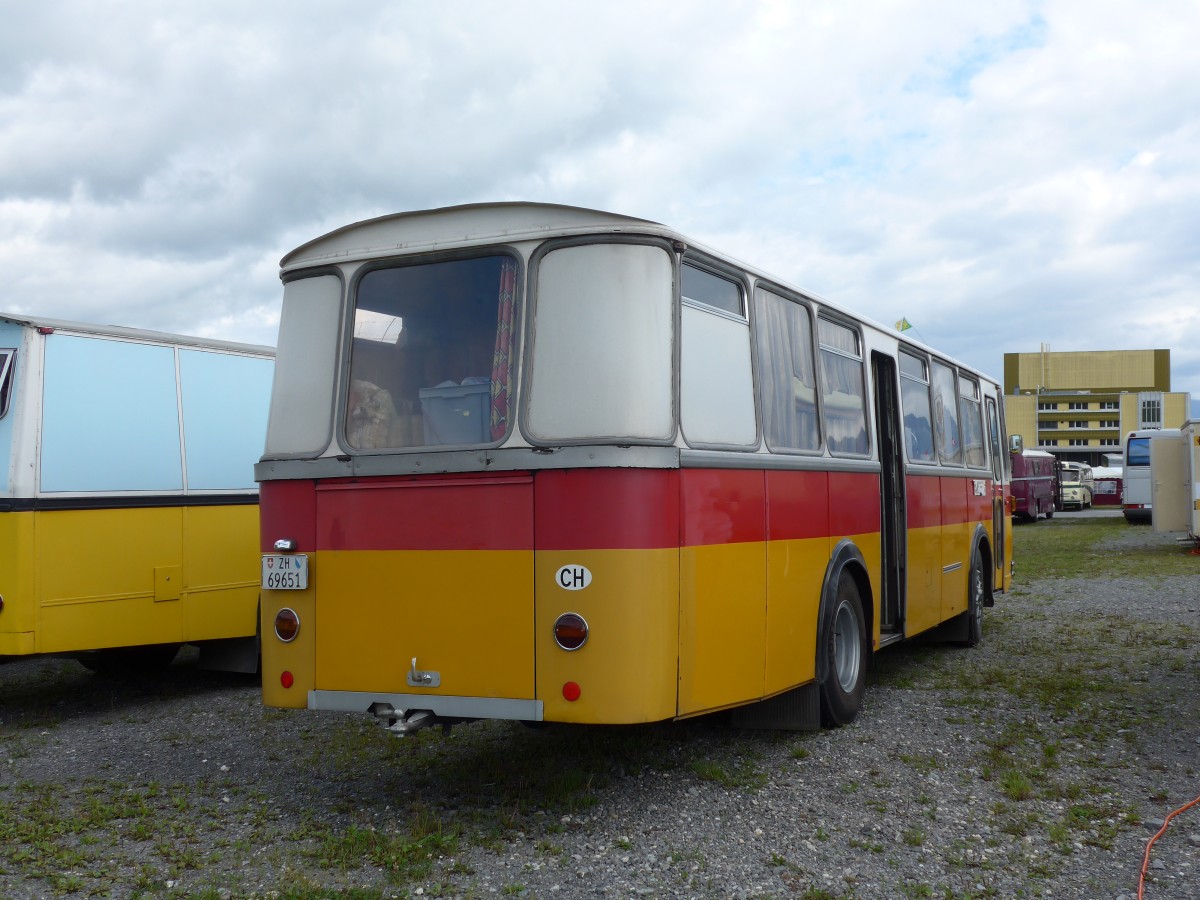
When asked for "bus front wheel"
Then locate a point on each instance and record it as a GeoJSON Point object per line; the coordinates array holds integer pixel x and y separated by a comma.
{"type": "Point", "coordinates": [846, 677]}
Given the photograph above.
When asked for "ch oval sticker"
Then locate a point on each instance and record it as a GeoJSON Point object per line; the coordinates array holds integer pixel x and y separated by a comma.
{"type": "Point", "coordinates": [573, 578]}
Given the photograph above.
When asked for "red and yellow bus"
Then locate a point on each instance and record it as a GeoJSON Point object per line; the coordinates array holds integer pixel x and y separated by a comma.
{"type": "Point", "coordinates": [550, 464]}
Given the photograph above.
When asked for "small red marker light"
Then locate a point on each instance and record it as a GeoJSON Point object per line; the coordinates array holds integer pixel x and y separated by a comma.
{"type": "Point", "coordinates": [571, 691]}
{"type": "Point", "coordinates": [286, 679]}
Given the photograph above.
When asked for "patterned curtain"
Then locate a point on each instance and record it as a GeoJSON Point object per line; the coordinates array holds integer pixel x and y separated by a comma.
{"type": "Point", "coordinates": [502, 369]}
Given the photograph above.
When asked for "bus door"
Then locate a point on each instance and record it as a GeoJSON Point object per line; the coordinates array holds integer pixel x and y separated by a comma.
{"type": "Point", "coordinates": [1001, 523]}
{"type": "Point", "coordinates": [893, 507]}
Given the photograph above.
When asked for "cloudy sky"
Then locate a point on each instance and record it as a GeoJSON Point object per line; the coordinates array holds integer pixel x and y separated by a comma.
{"type": "Point", "coordinates": [1001, 174]}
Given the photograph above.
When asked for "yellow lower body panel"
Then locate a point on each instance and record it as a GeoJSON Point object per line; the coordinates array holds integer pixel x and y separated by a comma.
{"type": "Point", "coordinates": [627, 670]}
{"type": "Point", "coordinates": [93, 579]}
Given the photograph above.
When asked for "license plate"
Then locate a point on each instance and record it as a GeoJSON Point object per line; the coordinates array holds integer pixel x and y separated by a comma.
{"type": "Point", "coordinates": [284, 572]}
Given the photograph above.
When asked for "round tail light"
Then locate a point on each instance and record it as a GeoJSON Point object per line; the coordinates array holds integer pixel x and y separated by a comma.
{"type": "Point", "coordinates": [570, 631]}
{"type": "Point", "coordinates": [287, 625]}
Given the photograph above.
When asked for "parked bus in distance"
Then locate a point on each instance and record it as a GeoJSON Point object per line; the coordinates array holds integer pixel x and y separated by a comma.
{"type": "Point", "coordinates": [1107, 483]}
{"type": "Point", "coordinates": [1078, 485]}
{"type": "Point", "coordinates": [1136, 488]}
{"type": "Point", "coordinates": [128, 508]}
{"type": "Point", "coordinates": [550, 464]}
{"type": "Point", "coordinates": [1035, 484]}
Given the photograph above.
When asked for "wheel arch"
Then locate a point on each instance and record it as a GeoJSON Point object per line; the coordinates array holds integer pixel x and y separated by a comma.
{"type": "Point", "coordinates": [846, 558]}
{"type": "Point", "coordinates": [982, 544]}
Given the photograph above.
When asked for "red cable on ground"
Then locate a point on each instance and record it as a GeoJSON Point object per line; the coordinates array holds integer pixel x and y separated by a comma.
{"type": "Point", "coordinates": [1150, 843]}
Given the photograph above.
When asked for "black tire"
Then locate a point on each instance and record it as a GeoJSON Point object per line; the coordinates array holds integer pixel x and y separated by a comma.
{"type": "Point", "coordinates": [846, 652]}
{"type": "Point", "coordinates": [128, 662]}
{"type": "Point", "coordinates": [976, 585]}
{"type": "Point", "coordinates": [1050, 513]}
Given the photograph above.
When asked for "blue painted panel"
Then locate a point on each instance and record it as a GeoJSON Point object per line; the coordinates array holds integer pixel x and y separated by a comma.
{"type": "Point", "coordinates": [225, 403]}
{"type": "Point", "coordinates": [110, 420]}
{"type": "Point", "coordinates": [10, 339]}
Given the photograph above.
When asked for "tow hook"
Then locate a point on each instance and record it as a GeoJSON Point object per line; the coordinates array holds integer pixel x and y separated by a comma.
{"type": "Point", "coordinates": [402, 722]}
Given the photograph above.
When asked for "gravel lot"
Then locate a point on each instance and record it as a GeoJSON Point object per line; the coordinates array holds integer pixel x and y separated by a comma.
{"type": "Point", "coordinates": [1036, 765]}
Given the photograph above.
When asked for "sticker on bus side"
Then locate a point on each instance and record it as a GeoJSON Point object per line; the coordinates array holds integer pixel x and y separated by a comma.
{"type": "Point", "coordinates": [284, 572]}
{"type": "Point", "coordinates": [573, 578]}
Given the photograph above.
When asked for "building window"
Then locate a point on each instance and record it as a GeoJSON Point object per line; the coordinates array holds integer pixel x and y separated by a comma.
{"type": "Point", "coordinates": [1047, 406]}
{"type": "Point", "coordinates": [1078, 423]}
{"type": "Point", "coordinates": [1151, 413]}
{"type": "Point", "coordinates": [1109, 404]}
{"type": "Point", "coordinates": [1110, 442]}
{"type": "Point", "coordinates": [1077, 442]}
{"type": "Point", "coordinates": [1077, 406]}
{"type": "Point", "coordinates": [1110, 423]}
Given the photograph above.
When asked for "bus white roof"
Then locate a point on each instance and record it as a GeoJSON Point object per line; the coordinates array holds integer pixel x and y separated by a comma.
{"type": "Point", "coordinates": [458, 226]}
{"type": "Point", "coordinates": [139, 334]}
{"type": "Point", "coordinates": [474, 224]}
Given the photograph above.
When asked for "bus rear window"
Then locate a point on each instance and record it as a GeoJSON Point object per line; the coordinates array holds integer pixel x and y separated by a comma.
{"type": "Point", "coordinates": [1138, 452]}
{"type": "Point", "coordinates": [431, 357]}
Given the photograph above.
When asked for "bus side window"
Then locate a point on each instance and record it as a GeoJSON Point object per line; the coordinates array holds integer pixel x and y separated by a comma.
{"type": "Point", "coordinates": [716, 401]}
{"type": "Point", "coordinates": [787, 373]}
{"type": "Point", "coordinates": [842, 390]}
{"type": "Point", "coordinates": [914, 393]}
{"type": "Point", "coordinates": [971, 415]}
{"type": "Point", "coordinates": [945, 415]}
{"type": "Point", "coordinates": [994, 444]}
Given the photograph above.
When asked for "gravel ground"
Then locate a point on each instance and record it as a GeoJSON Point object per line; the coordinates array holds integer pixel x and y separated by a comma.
{"type": "Point", "coordinates": [1035, 765]}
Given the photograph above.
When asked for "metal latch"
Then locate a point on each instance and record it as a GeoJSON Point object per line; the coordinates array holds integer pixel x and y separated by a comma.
{"type": "Point", "coordinates": [419, 678]}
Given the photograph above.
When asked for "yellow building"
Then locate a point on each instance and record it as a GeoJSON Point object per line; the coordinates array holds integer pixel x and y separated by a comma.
{"type": "Point", "coordinates": [1079, 405]}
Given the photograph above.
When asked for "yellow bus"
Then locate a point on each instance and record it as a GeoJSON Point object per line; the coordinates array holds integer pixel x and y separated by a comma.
{"type": "Point", "coordinates": [128, 507]}
{"type": "Point", "coordinates": [550, 464]}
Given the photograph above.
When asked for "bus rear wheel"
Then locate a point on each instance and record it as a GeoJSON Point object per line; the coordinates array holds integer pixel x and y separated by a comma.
{"type": "Point", "coordinates": [846, 675]}
{"type": "Point", "coordinates": [972, 633]}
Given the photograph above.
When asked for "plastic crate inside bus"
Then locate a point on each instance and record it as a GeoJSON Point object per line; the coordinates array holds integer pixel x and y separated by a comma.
{"type": "Point", "coordinates": [456, 413]}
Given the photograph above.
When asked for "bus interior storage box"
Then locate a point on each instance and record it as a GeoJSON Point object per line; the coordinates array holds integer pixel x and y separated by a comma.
{"type": "Point", "coordinates": [456, 413]}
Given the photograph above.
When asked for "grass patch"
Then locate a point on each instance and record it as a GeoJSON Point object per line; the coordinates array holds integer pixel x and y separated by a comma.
{"type": "Point", "coordinates": [1068, 548]}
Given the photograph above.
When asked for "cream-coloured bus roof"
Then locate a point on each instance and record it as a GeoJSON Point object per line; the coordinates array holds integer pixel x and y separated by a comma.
{"type": "Point", "coordinates": [457, 226]}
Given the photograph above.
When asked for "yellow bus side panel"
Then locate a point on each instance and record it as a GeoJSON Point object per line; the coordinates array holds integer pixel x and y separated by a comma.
{"type": "Point", "coordinates": [924, 595]}
{"type": "Point", "coordinates": [722, 625]}
{"type": "Point", "coordinates": [297, 657]}
{"type": "Point", "coordinates": [465, 614]}
{"type": "Point", "coordinates": [18, 621]}
{"type": "Point", "coordinates": [221, 566]}
{"type": "Point", "coordinates": [795, 571]}
{"type": "Point", "coordinates": [97, 578]}
{"type": "Point", "coordinates": [627, 670]}
{"type": "Point", "coordinates": [95, 573]}
{"type": "Point", "coordinates": [956, 556]}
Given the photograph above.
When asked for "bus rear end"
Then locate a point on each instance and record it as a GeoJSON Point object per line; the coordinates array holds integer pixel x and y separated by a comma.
{"type": "Point", "coordinates": [414, 569]}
